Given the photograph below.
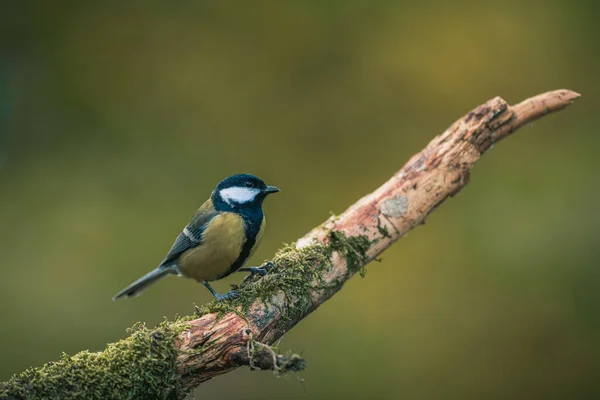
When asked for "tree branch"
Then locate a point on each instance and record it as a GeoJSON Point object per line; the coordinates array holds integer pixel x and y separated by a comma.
{"type": "Point", "coordinates": [174, 358]}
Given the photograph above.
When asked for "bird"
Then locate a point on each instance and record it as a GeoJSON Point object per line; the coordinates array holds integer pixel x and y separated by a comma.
{"type": "Point", "coordinates": [223, 233]}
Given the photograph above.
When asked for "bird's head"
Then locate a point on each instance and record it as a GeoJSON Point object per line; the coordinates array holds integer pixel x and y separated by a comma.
{"type": "Point", "coordinates": [241, 191]}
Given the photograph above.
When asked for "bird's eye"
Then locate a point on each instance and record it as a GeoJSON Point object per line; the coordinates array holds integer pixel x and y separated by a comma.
{"type": "Point", "coordinates": [249, 184]}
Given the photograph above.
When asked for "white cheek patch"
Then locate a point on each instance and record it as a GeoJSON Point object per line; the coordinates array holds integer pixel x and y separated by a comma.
{"type": "Point", "coordinates": [238, 194]}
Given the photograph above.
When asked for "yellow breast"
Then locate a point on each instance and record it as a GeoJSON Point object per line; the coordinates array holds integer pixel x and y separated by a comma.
{"type": "Point", "coordinates": [222, 242]}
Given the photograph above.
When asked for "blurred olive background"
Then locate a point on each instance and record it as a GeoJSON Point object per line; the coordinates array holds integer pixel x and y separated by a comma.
{"type": "Point", "coordinates": [118, 119]}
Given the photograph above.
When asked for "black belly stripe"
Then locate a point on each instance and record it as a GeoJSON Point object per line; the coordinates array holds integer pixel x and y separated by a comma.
{"type": "Point", "coordinates": [252, 223]}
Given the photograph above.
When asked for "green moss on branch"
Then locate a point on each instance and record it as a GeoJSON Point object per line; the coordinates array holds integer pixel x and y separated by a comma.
{"type": "Point", "coordinates": [297, 274]}
{"type": "Point", "coordinates": [352, 248]}
{"type": "Point", "coordinates": [141, 366]}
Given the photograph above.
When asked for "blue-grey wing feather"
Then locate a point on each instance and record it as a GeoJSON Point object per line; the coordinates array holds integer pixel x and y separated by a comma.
{"type": "Point", "coordinates": [191, 236]}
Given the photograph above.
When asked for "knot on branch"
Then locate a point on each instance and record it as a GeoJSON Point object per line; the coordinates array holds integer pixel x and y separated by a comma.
{"type": "Point", "coordinates": [264, 357]}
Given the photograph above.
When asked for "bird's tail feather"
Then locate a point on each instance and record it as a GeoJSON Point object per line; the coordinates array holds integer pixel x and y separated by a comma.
{"type": "Point", "coordinates": [136, 287]}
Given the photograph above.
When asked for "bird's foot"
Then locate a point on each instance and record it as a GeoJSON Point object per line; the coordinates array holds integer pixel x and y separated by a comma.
{"type": "Point", "coordinates": [260, 271]}
{"type": "Point", "coordinates": [232, 294]}
{"type": "Point", "coordinates": [220, 297]}
{"type": "Point", "coordinates": [269, 265]}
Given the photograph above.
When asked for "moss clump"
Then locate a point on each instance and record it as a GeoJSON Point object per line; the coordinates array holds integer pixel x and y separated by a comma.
{"type": "Point", "coordinates": [141, 366]}
{"type": "Point", "coordinates": [292, 362]}
{"type": "Point", "coordinates": [353, 248]}
{"type": "Point", "coordinates": [264, 356]}
{"type": "Point", "coordinates": [294, 275]}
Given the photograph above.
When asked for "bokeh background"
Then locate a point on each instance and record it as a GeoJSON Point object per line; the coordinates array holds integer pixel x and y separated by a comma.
{"type": "Point", "coordinates": [116, 121]}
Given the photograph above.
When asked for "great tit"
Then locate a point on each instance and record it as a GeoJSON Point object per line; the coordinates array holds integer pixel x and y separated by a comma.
{"type": "Point", "coordinates": [221, 236]}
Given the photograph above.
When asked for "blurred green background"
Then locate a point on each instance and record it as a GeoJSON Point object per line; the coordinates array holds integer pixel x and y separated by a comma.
{"type": "Point", "coordinates": [118, 119]}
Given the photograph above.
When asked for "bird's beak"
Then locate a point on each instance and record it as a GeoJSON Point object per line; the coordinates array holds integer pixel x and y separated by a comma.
{"type": "Point", "coordinates": [270, 189]}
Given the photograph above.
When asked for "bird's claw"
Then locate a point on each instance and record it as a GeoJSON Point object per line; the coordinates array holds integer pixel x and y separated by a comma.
{"type": "Point", "coordinates": [260, 271]}
{"type": "Point", "coordinates": [264, 269]}
{"type": "Point", "coordinates": [230, 295]}
{"type": "Point", "coordinates": [268, 266]}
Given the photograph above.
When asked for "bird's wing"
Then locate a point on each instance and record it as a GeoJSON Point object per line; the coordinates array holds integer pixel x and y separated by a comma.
{"type": "Point", "coordinates": [191, 235]}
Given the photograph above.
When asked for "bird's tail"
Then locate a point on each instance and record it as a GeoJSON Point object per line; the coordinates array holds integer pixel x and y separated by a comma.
{"type": "Point", "coordinates": [136, 287]}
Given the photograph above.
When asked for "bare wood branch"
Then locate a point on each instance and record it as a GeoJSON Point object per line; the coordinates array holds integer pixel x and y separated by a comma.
{"type": "Point", "coordinates": [439, 171]}
{"type": "Point", "coordinates": [213, 345]}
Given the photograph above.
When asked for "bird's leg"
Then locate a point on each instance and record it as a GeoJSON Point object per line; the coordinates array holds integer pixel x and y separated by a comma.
{"type": "Point", "coordinates": [230, 295]}
{"type": "Point", "coordinates": [262, 270]}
